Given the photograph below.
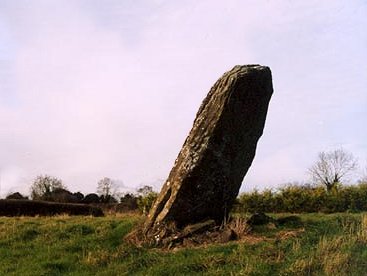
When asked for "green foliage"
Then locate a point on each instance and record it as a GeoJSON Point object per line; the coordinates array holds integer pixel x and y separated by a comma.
{"type": "Point", "coordinates": [146, 198]}
{"type": "Point", "coordinates": [128, 202]}
{"type": "Point", "coordinates": [306, 198]}
{"type": "Point", "coordinates": [146, 201]}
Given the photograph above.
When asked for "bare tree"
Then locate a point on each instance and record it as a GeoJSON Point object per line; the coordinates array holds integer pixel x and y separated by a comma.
{"type": "Point", "coordinates": [107, 189]}
{"type": "Point", "coordinates": [145, 190]}
{"type": "Point", "coordinates": [44, 185]}
{"type": "Point", "coordinates": [333, 167]}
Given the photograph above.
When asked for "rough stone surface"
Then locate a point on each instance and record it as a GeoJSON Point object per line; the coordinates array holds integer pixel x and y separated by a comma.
{"type": "Point", "coordinates": [227, 235]}
{"type": "Point", "coordinates": [260, 219]}
{"type": "Point", "coordinates": [208, 172]}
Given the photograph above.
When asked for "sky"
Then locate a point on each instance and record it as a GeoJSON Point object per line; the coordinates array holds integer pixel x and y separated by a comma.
{"type": "Point", "coordinates": [92, 89]}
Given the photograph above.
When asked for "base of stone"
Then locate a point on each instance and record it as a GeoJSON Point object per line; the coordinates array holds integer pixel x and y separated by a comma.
{"type": "Point", "coordinates": [206, 232]}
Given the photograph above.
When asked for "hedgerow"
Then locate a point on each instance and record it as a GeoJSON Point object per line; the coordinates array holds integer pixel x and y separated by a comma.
{"type": "Point", "coordinates": [304, 199]}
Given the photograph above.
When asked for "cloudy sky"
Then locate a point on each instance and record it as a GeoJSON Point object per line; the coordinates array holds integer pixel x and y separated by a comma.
{"type": "Point", "coordinates": [110, 88]}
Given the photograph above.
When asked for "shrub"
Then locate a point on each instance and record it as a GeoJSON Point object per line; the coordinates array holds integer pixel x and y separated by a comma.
{"type": "Point", "coordinates": [61, 195]}
{"type": "Point", "coordinates": [79, 196]}
{"type": "Point", "coordinates": [107, 199]}
{"type": "Point", "coordinates": [145, 202]}
{"type": "Point", "coordinates": [16, 196]}
{"type": "Point", "coordinates": [305, 198]}
{"type": "Point", "coordinates": [91, 198]}
{"type": "Point", "coordinates": [128, 202]}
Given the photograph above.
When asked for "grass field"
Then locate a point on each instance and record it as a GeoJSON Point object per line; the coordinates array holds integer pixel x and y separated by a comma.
{"type": "Point", "coordinates": [318, 244]}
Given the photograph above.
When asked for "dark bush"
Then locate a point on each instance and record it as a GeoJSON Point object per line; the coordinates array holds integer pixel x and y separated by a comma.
{"type": "Point", "coordinates": [91, 198]}
{"type": "Point", "coordinates": [60, 195]}
{"type": "Point", "coordinates": [107, 199]}
{"type": "Point", "coordinates": [16, 196]}
{"type": "Point", "coordinates": [128, 202]}
{"type": "Point", "coordinates": [43, 208]}
{"type": "Point", "coordinates": [293, 221]}
{"type": "Point", "coordinates": [259, 219]}
{"type": "Point", "coordinates": [79, 196]}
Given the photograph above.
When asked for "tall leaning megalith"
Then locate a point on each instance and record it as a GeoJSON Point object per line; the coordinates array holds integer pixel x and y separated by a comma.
{"type": "Point", "coordinates": [208, 172]}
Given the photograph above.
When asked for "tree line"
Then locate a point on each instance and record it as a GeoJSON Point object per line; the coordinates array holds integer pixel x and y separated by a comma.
{"type": "Point", "coordinates": [327, 193]}
{"type": "Point", "coordinates": [51, 189]}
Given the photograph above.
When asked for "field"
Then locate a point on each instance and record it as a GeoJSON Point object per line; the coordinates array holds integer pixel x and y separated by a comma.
{"type": "Point", "coordinates": [317, 244]}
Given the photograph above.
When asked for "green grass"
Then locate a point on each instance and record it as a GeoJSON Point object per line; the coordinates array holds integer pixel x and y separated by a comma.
{"type": "Point", "coordinates": [334, 244]}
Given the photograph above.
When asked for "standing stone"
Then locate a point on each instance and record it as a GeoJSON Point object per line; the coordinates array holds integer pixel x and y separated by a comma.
{"type": "Point", "coordinates": [206, 177]}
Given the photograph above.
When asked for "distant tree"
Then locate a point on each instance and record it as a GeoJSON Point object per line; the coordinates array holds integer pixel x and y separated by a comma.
{"type": "Point", "coordinates": [146, 202]}
{"type": "Point", "coordinates": [106, 189]}
{"type": "Point", "coordinates": [91, 198]}
{"type": "Point", "coordinates": [128, 202]}
{"type": "Point", "coordinates": [44, 185]}
{"type": "Point", "coordinates": [16, 195]}
{"type": "Point", "coordinates": [331, 168]}
{"type": "Point", "coordinates": [62, 195]}
{"type": "Point", "coordinates": [79, 196]}
{"type": "Point", "coordinates": [145, 190]}
{"type": "Point", "coordinates": [146, 198]}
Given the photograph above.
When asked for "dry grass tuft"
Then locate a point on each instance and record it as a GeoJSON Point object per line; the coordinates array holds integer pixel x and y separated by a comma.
{"type": "Point", "coordinates": [337, 263]}
{"type": "Point", "coordinates": [362, 230]}
{"type": "Point", "coordinates": [301, 267]}
{"type": "Point", "coordinates": [333, 256]}
{"type": "Point", "coordinates": [239, 226]}
{"type": "Point", "coordinates": [283, 235]}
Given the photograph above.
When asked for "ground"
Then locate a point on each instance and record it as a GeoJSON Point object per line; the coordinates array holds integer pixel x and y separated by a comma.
{"type": "Point", "coordinates": [316, 244]}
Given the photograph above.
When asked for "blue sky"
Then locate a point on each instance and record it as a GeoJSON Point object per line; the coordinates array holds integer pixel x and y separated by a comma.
{"type": "Point", "coordinates": [110, 88]}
